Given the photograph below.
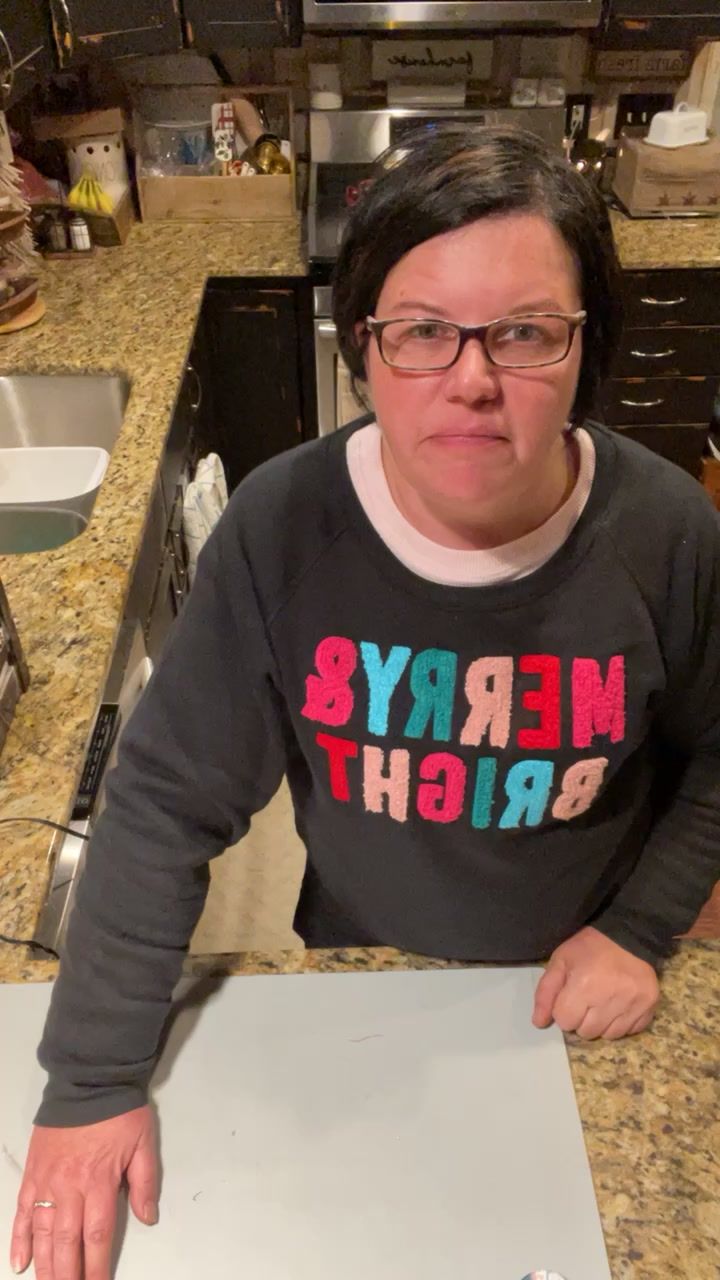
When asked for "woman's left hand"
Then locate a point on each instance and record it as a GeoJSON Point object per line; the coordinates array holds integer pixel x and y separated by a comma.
{"type": "Point", "coordinates": [595, 987]}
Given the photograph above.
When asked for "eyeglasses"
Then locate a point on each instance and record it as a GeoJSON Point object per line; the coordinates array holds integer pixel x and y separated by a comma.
{"type": "Point", "coordinates": [512, 342]}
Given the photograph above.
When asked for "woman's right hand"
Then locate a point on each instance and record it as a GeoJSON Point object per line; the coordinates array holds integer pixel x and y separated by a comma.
{"type": "Point", "coordinates": [80, 1170]}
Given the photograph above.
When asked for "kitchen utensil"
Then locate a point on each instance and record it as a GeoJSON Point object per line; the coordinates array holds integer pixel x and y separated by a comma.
{"type": "Point", "coordinates": [681, 127]}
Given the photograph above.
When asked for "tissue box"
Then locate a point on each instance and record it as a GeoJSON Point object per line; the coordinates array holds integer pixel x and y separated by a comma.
{"type": "Point", "coordinates": [656, 180]}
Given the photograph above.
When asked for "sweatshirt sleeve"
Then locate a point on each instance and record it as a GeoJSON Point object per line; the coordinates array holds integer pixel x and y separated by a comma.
{"type": "Point", "coordinates": [204, 750]}
{"type": "Point", "coordinates": [680, 862]}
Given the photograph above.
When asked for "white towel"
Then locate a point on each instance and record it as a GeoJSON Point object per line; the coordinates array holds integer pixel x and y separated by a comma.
{"type": "Point", "coordinates": [205, 500]}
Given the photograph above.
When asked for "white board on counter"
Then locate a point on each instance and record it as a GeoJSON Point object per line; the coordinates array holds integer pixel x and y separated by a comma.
{"type": "Point", "coordinates": [349, 1126]}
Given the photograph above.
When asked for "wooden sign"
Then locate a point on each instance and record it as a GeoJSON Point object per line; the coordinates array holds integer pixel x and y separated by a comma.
{"type": "Point", "coordinates": [647, 64]}
{"type": "Point", "coordinates": [436, 60]}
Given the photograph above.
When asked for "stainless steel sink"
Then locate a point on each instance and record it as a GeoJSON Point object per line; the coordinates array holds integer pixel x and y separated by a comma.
{"type": "Point", "coordinates": [46, 411]}
{"type": "Point", "coordinates": [62, 408]}
{"type": "Point", "coordinates": [30, 528]}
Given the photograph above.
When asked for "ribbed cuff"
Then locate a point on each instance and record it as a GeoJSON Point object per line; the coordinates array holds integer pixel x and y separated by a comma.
{"type": "Point", "coordinates": [68, 1107]}
{"type": "Point", "coordinates": [638, 942]}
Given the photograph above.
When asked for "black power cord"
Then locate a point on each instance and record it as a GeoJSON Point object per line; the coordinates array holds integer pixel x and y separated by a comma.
{"type": "Point", "coordinates": [57, 826]}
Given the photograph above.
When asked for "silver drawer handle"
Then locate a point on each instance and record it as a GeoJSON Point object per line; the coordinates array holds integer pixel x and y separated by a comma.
{"type": "Point", "coordinates": [197, 401]}
{"type": "Point", "coordinates": [654, 355]}
{"type": "Point", "coordinates": [642, 404]}
{"type": "Point", "coordinates": [663, 302]}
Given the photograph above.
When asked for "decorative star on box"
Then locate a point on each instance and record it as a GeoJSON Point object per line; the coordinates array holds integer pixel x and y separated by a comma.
{"type": "Point", "coordinates": [689, 198]}
{"type": "Point", "coordinates": [714, 200]}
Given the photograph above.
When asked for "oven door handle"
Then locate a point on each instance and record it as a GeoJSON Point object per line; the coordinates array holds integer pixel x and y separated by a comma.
{"type": "Point", "coordinates": [326, 356]}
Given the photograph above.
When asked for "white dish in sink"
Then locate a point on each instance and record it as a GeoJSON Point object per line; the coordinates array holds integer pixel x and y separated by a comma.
{"type": "Point", "coordinates": [50, 474]}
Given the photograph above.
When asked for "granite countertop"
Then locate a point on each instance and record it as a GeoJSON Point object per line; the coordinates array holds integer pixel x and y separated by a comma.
{"type": "Point", "coordinates": [647, 243]}
{"type": "Point", "coordinates": [650, 1105]}
{"type": "Point", "coordinates": [129, 310]}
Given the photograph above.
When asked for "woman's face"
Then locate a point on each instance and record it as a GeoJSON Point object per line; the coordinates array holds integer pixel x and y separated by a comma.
{"type": "Point", "coordinates": [475, 434]}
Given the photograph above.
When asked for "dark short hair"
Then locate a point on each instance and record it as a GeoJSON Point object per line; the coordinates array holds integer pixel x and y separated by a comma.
{"type": "Point", "coordinates": [433, 182]}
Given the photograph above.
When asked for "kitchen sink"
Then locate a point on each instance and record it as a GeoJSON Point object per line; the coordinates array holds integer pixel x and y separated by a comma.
{"type": "Point", "coordinates": [39, 409]}
{"type": "Point", "coordinates": [56, 434]}
{"type": "Point", "coordinates": [28, 528]}
{"type": "Point", "coordinates": [47, 495]}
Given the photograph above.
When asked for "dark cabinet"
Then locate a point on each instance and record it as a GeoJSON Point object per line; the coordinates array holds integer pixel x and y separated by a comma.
{"type": "Point", "coordinates": [218, 24]}
{"type": "Point", "coordinates": [665, 377]}
{"type": "Point", "coordinates": [85, 27]}
{"type": "Point", "coordinates": [657, 24]}
{"type": "Point", "coordinates": [260, 368]}
{"type": "Point", "coordinates": [25, 48]}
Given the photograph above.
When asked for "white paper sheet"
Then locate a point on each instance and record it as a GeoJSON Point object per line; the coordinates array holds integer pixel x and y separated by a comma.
{"type": "Point", "coordinates": [397, 1125]}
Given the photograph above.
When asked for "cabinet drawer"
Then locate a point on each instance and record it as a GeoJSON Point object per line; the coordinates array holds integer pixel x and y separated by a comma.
{"type": "Point", "coordinates": [681, 445]}
{"type": "Point", "coordinates": [659, 298]}
{"type": "Point", "coordinates": [664, 352]}
{"type": "Point", "coordinates": [630, 400]}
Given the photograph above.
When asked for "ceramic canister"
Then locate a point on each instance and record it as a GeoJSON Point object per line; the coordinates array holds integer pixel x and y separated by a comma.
{"type": "Point", "coordinates": [102, 156]}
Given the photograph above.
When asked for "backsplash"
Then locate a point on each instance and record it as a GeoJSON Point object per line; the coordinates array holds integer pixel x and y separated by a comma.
{"type": "Point", "coordinates": [606, 77]}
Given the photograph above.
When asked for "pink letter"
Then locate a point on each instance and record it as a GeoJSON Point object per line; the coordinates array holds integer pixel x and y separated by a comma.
{"type": "Point", "coordinates": [490, 706]}
{"type": "Point", "coordinates": [394, 784]}
{"type": "Point", "coordinates": [441, 802]}
{"type": "Point", "coordinates": [598, 708]}
{"type": "Point", "coordinates": [580, 785]}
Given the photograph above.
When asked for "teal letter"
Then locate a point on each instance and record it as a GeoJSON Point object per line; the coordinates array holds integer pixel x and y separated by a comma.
{"type": "Point", "coordinates": [483, 795]}
{"type": "Point", "coordinates": [382, 681]}
{"type": "Point", "coordinates": [528, 787]}
{"type": "Point", "coordinates": [432, 681]}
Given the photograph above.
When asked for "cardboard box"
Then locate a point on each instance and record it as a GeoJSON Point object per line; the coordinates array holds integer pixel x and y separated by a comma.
{"type": "Point", "coordinates": [661, 180]}
{"type": "Point", "coordinates": [111, 229]}
{"type": "Point", "coordinates": [84, 124]}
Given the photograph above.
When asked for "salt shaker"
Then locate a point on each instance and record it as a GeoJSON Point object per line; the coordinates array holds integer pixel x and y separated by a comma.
{"type": "Point", "coordinates": [79, 233]}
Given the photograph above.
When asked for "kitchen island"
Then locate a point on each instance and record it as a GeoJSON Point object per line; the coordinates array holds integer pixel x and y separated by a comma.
{"type": "Point", "coordinates": [649, 1105]}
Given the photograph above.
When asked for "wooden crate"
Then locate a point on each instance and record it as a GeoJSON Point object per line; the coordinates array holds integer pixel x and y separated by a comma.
{"type": "Point", "coordinates": [199, 198]}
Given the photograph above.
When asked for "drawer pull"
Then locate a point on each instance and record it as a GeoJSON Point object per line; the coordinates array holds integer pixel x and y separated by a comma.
{"type": "Point", "coordinates": [663, 302]}
{"type": "Point", "coordinates": [654, 355]}
{"type": "Point", "coordinates": [642, 404]}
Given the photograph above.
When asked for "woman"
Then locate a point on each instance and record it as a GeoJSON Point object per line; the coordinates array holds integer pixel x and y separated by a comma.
{"type": "Point", "coordinates": [479, 634]}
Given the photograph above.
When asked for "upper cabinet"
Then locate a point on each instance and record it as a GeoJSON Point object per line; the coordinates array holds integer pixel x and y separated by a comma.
{"type": "Point", "coordinates": [221, 24]}
{"type": "Point", "coordinates": [657, 24]}
{"type": "Point", "coordinates": [25, 48]}
{"type": "Point", "coordinates": [82, 27]}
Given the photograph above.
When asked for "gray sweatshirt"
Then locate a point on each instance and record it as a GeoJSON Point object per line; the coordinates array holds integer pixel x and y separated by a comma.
{"type": "Point", "coordinates": [477, 772]}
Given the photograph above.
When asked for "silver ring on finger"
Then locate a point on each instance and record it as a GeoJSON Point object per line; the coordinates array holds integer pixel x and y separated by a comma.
{"type": "Point", "coordinates": [44, 1204]}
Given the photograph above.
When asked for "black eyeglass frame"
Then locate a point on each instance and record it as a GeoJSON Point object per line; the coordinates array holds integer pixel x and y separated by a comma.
{"type": "Point", "coordinates": [575, 320]}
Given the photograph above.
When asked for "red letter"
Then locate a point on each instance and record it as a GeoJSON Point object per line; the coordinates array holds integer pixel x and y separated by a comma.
{"type": "Point", "coordinates": [545, 700]}
{"type": "Point", "coordinates": [339, 751]}
{"type": "Point", "coordinates": [328, 696]}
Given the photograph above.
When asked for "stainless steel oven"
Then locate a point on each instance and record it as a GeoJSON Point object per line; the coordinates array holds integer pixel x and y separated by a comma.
{"type": "Point", "coordinates": [336, 400]}
{"type": "Point", "coordinates": [448, 15]}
